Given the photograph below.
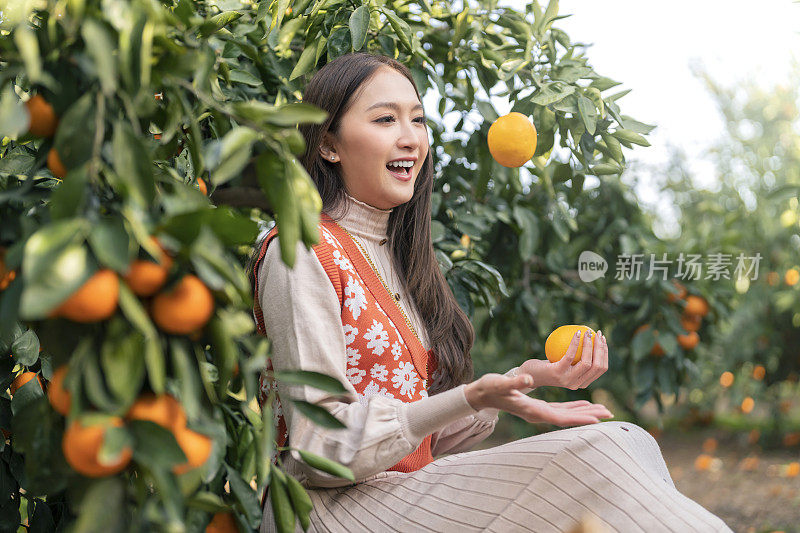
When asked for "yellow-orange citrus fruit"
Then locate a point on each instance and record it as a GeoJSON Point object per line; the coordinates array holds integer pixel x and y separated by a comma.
{"type": "Point", "coordinates": [726, 379]}
{"type": "Point", "coordinates": [749, 464]}
{"type": "Point", "coordinates": [656, 350]}
{"type": "Point", "coordinates": [94, 301]}
{"type": "Point", "coordinates": [512, 139]}
{"type": "Point", "coordinates": [81, 445]}
{"type": "Point", "coordinates": [223, 522]}
{"type": "Point", "coordinates": [163, 409]}
{"type": "Point", "coordinates": [688, 341]}
{"type": "Point", "coordinates": [710, 445]}
{"type": "Point", "coordinates": [691, 322]}
{"type": "Point", "coordinates": [680, 293]}
{"type": "Point", "coordinates": [146, 277]}
{"type": "Point", "coordinates": [22, 379]}
{"type": "Point", "coordinates": [703, 462]}
{"type": "Point", "coordinates": [696, 305]}
{"type": "Point", "coordinates": [185, 308]}
{"type": "Point", "coordinates": [557, 343]}
{"type": "Point", "coordinates": [55, 165]}
{"type": "Point", "coordinates": [791, 277]}
{"type": "Point", "coordinates": [58, 396]}
{"type": "Point", "coordinates": [196, 447]}
{"type": "Point", "coordinates": [6, 276]}
{"type": "Point", "coordinates": [791, 439]}
{"type": "Point", "coordinates": [201, 184]}
{"type": "Point", "coordinates": [759, 372]}
{"type": "Point", "coordinates": [748, 404]}
{"type": "Point", "coordinates": [43, 117]}
{"type": "Point", "coordinates": [793, 469]}
{"type": "Point", "coordinates": [772, 278]}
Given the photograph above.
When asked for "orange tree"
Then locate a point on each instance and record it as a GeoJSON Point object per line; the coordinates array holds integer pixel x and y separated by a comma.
{"type": "Point", "coordinates": [123, 285]}
{"type": "Point", "coordinates": [752, 209]}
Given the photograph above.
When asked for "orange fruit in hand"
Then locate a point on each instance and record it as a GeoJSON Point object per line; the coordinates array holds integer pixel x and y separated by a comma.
{"type": "Point", "coordinates": [164, 409]}
{"type": "Point", "coordinates": [223, 522]}
{"type": "Point", "coordinates": [58, 396]}
{"type": "Point", "coordinates": [81, 445]}
{"type": "Point", "coordinates": [22, 379]}
{"type": "Point", "coordinates": [43, 117]}
{"type": "Point", "coordinates": [512, 139]}
{"type": "Point", "coordinates": [94, 301]}
{"type": "Point", "coordinates": [55, 165]}
{"type": "Point", "coordinates": [185, 308]}
{"type": "Point", "coordinates": [656, 350]}
{"type": "Point", "coordinates": [791, 277]}
{"type": "Point", "coordinates": [146, 277]}
{"type": "Point", "coordinates": [557, 343]}
{"type": "Point", "coordinates": [691, 322]}
{"type": "Point", "coordinates": [696, 305]}
{"type": "Point", "coordinates": [201, 184]}
{"type": "Point", "coordinates": [688, 341]}
{"type": "Point", "coordinates": [196, 447]}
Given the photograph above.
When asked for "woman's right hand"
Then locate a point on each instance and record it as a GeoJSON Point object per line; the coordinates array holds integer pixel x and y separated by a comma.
{"type": "Point", "coordinates": [502, 392]}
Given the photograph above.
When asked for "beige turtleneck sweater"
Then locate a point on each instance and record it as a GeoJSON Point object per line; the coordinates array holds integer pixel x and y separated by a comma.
{"type": "Point", "coordinates": [303, 322]}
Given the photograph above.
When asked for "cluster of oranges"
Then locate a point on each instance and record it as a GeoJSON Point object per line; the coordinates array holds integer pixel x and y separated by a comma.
{"type": "Point", "coordinates": [695, 308]}
{"type": "Point", "coordinates": [82, 440]}
{"type": "Point", "coordinates": [791, 277]}
{"type": "Point", "coordinates": [182, 310]}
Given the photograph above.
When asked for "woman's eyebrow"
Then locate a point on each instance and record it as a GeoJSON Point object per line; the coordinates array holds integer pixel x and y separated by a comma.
{"type": "Point", "coordinates": [392, 105]}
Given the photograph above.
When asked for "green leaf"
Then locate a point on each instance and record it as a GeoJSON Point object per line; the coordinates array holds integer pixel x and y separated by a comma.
{"type": "Point", "coordinates": [630, 137]}
{"type": "Point", "coordinates": [155, 446]}
{"type": "Point", "coordinates": [301, 501]}
{"type": "Point", "coordinates": [111, 244]}
{"type": "Point", "coordinates": [282, 510]}
{"type": "Point", "coordinates": [227, 157]}
{"type": "Point", "coordinates": [313, 379]}
{"type": "Point", "coordinates": [602, 169]}
{"type": "Point", "coordinates": [244, 494]}
{"type": "Point", "coordinates": [529, 227]}
{"type": "Point", "coordinates": [132, 165]}
{"type": "Point", "coordinates": [14, 119]}
{"type": "Point", "coordinates": [28, 393]}
{"type": "Point", "coordinates": [400, 27]}
{"type": "Point", "coordinates": [26, 348]}
{"type": "Point", "coordinates": [101, 506]}
{"type": "Point", "coordinates": [359, 25]}
{"type": "Point", "coordinates": [122, 359]}
{"type": "Point", "coordinates": [318, 415]}
{"type": "Point", "coordinates": [307, 61]}
{"type": "Point", "coordinates": [275, 184]}
{"type": "Point", "coordinates": [287, 115]}
{"type": "Point", "coordinates": [28, 48]}
{"type": "Point", "coordinates": [101, 46]}
{"type": "Point", "coordinates": [55, 264]}
{"type": "Point", "coordinates": [326, 465]}
{"type": "Point", "coordinates": [217, 22]}
{"type": "Point", "coordinates": [588, 113]}
{"type": "Point", "coordinates": [552, 92]}
{"type": "Point", "coordinates": [74, 139]}
{"type": "Point", "coordinates": [339, 43]}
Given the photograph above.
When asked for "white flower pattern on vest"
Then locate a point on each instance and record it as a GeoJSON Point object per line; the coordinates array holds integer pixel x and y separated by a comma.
{"type": "Point", "coordinates": [378, 338]}
{"type": "Point", "coordinates": [379, 372]}
{"type": "Point", "coordinates": [355, 299]}
{"type": "Point", "coordinates": [350, 333]}
{"type": "Point", "coordinates": [405, 379]}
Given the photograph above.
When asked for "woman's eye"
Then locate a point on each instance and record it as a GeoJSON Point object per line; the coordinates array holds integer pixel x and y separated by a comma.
{"type": "Point", "coordinates": [421, 120]}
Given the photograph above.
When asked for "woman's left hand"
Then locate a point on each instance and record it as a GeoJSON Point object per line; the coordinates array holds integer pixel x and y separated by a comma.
{"type": "Point", "coordinates": [593, 364]}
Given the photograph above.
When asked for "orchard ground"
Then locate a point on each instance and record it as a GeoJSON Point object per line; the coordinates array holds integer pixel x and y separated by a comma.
{"type": "Point", "coordinates": [715, 463]}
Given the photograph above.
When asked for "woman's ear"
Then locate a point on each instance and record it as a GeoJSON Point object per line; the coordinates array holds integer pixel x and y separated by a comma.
{"type": "Point", "coordinates": [326, 150]}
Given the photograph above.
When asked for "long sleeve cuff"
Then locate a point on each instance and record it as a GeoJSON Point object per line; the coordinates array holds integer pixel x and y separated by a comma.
{"type": "Point", "coordinates": [420, 419]}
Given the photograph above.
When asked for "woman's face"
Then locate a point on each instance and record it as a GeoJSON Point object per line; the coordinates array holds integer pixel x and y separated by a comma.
{"type": "Point", "coordinates": [384, 123]}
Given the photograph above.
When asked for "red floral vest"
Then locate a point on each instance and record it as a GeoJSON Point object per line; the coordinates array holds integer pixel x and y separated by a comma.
{"type": "Point", "coordinates": [383, 355]}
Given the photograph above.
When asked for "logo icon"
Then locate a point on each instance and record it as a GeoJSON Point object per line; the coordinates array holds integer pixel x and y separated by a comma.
{"type": "Point", "coordinates": [591, 266]}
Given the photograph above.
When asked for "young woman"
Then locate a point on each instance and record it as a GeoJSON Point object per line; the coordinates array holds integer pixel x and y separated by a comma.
{"type": "Point", "coordinates": [369, 306]}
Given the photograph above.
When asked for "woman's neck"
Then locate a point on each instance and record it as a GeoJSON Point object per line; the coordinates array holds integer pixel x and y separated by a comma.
{"type": "Point", "coordinates": [364, 220]}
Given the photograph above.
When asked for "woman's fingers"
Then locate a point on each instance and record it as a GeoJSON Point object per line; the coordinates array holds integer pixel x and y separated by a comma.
{"type": "Point", "coordinates": [572, 350]}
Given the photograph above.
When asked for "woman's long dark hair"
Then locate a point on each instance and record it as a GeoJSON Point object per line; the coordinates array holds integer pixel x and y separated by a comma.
{"type": "Point", "coordinates": [334, 88]}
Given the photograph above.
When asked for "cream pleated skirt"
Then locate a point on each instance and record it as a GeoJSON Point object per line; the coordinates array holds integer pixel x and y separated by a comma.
{"type": "Point", "coordinates": [612, 473]}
